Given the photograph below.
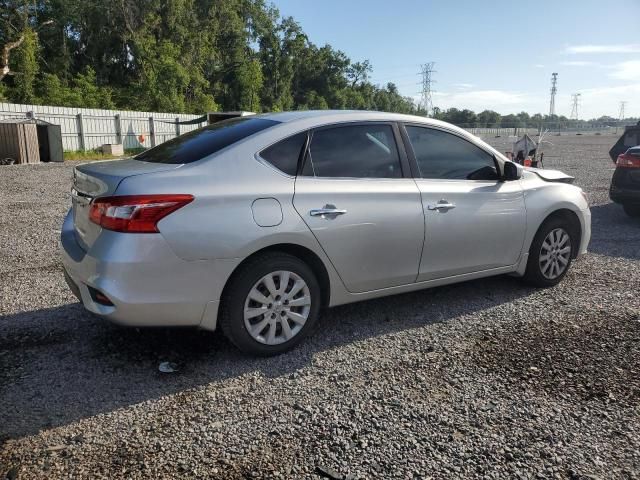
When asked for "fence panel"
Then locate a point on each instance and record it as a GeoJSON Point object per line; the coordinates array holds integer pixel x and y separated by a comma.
{"type": "Point", "coordinates": [88, 129]}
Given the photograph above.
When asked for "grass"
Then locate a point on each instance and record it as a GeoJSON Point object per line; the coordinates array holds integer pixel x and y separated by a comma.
{"type": "Point", "coordinates": [79, 155]}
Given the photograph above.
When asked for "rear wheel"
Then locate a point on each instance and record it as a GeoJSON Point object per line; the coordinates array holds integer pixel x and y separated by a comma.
{"type": "Point", "coordinates": [631, 210]}
{"type": "Point", "coordinates": [270, 304]}
{"type": "Point", "coordinates": [550, 253]}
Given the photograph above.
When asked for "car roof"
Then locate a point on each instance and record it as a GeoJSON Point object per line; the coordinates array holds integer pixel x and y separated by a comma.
{"type": "Point", "coordinates": [318, 118]}
{"type": "Point", "coordinates": [329, 116]}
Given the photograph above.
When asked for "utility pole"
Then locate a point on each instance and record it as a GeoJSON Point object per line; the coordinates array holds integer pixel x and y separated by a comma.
{"type": "Point", "coordinates": [554, 90]}
{"type": "Point", "coordinates": [575, 104]}
{"type": "Point", "coordinates": [620, 115]}
{"type": "Point", "coordinates": [427, 72]}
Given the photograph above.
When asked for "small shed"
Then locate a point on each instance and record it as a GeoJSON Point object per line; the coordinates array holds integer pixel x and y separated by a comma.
{"type": "Point", "coordinates": [30, 141]}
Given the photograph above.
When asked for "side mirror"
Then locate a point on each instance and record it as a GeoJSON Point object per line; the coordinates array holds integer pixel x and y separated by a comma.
{"type": "Point", "coordinates": [512, 171]}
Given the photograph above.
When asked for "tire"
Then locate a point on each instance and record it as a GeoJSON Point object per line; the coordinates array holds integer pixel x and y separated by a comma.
{"type": "Point", "coordinates": [256, 311]}
{"type": "Point", "coordinates": [551, 270]}
{"type": "Point", "coordinates": [632, 210]}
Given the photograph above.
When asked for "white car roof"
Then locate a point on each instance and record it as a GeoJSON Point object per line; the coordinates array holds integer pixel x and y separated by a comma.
{"type": "Point", "coordinates": [314, 118]}
{"type": "Point", "coordinates": [329, 116]}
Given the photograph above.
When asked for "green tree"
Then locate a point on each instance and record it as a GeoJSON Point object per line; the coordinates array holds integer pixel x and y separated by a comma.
{"type": "Point", "coordinates": [178, 56]}
{"type": "Point", "coordinates": [249, 86]}
{"type": "Point", "coordinates": [488, 118]}
{"type": "Point", "coordinates": [26, 68]}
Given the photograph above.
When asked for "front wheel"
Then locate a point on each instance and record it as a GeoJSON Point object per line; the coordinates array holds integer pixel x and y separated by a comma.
{"type": "Point", "coordinates": [270, 304]}
{"type": "Point", "coordinates": [631, 210]}
{"type": "Point", "coordinates": [550, 253]}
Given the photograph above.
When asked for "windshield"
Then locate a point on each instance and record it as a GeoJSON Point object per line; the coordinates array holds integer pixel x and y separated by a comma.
{"type": "Point", "coordinates": [204, 141]}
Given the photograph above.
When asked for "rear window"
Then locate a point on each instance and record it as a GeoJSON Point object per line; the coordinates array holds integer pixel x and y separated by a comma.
{"type": "Point", "coordinates": [196, 145]}
{"type": "Point", "coordinates": [284, 155]}
{"type": "Point", "coordinates": [631, 139]}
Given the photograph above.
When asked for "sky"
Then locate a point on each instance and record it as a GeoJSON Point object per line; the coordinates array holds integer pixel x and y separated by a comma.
{"type": "Point", "coordinates": [496, 55]}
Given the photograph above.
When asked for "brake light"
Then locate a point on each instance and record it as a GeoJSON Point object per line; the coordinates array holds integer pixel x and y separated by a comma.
{"type": "Point", "coordinates": [627, 160]}
{"type": "Point", "coordinates": [135, 213]}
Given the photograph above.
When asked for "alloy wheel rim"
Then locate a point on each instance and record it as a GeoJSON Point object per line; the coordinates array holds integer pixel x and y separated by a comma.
{"type": "Point", "coordinates": [277, 307]}
{"type": "Point", "coordinates": [555, 253]}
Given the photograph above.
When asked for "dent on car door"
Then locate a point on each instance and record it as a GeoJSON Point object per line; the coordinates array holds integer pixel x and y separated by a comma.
{"type": "Point", "coordinates": [365, 214]}
{"type": "Point", "coordinates": [474, 221]}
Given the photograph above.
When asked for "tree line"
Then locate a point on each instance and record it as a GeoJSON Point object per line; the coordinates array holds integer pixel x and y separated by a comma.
{"type": "Point", "coordinates": [187, 56]}
{"type": "Point", "coordinates": [190, 56]}
{"type": "Point", "coordinates": [490, 119]}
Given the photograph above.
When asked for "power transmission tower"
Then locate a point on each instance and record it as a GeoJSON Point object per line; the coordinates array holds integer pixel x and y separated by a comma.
{"type": "Point", "coordinates": [427, 72]}
{"type": "Point", "coordinates": [575, 104]}
{"type": "Point", "coordinates": [620, 115]}
{"type": "Point", "coordinates": [554, 90]}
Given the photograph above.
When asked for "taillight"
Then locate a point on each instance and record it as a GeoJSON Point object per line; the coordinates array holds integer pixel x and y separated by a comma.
{"type": "Point", "coordinates": [627, 160]}
{"type": "Point", "coordinates": [135, 213]}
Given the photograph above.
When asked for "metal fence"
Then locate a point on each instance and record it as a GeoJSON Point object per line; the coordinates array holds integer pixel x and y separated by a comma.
{"type": "Point", "coordinates": [88, 129]}
{"type": "Point", "coordinates": [550, 128]}
{"type": "Point", "coordinates": [502, 131]}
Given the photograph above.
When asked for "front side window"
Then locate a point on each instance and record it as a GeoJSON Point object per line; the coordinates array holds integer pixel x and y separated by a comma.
{"type": "Point", "coordinates": [442, 155]}
{"type": "Point", "coordinates": [204, 141]}
{"type": "Point", "coordinates": [284, 155]}
{"type": "Point", "coordinates": [357, 151]}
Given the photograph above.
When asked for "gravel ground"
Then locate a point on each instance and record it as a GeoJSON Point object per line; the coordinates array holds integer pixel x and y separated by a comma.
{"type": "Point", "coordinates": [486, 379]}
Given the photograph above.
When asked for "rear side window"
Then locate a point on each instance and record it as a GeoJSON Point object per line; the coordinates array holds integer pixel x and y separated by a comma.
{"type": "Point", "coordinates": [631, 139]}
{"type": "Point", "coordinates": [357, 151]}
{"type": "Point", "coordinates": [443, 155]}
{"type": "Point", "coordinates": [196, 145]}
{"type": "Point", "coordinates": [285, 154]}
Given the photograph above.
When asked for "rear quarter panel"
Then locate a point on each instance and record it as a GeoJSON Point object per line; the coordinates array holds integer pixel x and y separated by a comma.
{"type": "Point", "coordinates": [220, 223]}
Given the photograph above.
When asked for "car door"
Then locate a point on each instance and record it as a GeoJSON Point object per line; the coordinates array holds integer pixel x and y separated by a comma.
{"type": "Point", "coordinates": [473, 221]}
{"type": "Point", "coordinates": [356, 195]}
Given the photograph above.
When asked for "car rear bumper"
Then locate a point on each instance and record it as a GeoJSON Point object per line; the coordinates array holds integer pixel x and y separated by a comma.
{"type": "Point", "coordinates": [147, 284]}
{"type": "Point", "coordinates": [620, 195]}
{"type": "Point", "coordinates": [625, 186]}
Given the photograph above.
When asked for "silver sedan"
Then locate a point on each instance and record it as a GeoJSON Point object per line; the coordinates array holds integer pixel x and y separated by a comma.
{"type": "Point", "coordinates": [253, 224]}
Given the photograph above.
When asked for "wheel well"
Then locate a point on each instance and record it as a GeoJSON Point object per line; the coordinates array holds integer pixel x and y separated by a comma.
{"type": "Point", "coordinates": [574, 223]}
{"type": "Point", "coordinates": [303, 254]}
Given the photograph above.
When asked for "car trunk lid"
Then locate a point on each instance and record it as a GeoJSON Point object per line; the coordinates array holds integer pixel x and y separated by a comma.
{"type": "Point", "coordinates": [99, 179]}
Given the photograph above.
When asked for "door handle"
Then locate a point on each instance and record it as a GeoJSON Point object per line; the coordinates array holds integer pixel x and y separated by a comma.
{"type": "Point", "coordinates": [442, 206]}
{"type": "Point", "coordinates": [327, 211]}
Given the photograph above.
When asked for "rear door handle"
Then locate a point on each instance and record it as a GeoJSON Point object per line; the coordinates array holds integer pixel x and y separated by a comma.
{"type": "Point", "coordinates": [442, 206]}
{"type": "Point", "coordinates": [327, 211]}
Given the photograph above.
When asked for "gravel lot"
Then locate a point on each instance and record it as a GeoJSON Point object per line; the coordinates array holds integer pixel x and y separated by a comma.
{"type": "Point", "coordinates": [487, 379]}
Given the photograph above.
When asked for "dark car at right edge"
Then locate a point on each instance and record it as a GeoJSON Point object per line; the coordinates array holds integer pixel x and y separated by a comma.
{"type": "Point", "coordinates": [625, 184]}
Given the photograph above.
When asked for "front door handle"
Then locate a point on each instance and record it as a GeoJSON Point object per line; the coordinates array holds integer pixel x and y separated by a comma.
{"type": "Point", "coordinates": [442, 206]}
{"type": "Point", "coordinates": [328, 211]}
